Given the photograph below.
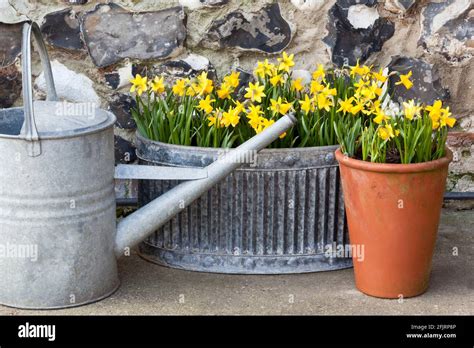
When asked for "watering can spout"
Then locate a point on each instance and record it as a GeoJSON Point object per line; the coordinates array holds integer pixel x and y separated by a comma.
{"type": "Point", "coordinates": [138, 226]}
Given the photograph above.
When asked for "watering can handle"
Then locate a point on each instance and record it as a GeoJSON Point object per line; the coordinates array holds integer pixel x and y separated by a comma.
{"type": "Point", "coordinates": [31, 132]}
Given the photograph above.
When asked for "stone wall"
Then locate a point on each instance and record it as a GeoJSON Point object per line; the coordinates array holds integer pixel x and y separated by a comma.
{"type": "Point", "coordinates": [96, 47]}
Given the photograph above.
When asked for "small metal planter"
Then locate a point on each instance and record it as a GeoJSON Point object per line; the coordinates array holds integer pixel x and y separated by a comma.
{"type": "Point", "coordinates": [279, 215]}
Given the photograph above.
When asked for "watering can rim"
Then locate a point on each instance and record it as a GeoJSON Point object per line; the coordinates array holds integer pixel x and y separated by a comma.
{"type": "Point", "coordinates": [108, 122]}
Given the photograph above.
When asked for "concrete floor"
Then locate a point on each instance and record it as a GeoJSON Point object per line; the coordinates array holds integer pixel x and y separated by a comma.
{"type": "Point", "coordinates": [151, 289]}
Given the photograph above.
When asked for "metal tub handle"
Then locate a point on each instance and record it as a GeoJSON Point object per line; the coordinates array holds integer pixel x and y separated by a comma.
{"type": "Point", "coordinates": [31, 132]}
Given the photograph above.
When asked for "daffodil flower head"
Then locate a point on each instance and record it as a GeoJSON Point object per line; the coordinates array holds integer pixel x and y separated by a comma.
{"type": "Point", "coordinates": [157, 84]}
{"type": "Point", "coordinates": [179, 88]}
{"type": "Point", "coordinates": [264, 69]}
{"type": "Point", "coordinates": [225, 91]}
{"type": "Point", "coordinates": [381, 116]}
{"type": "Point", "coordinates": [231, 117]}
{"type": "Point", "coordinates": [297, 85]}
{"type": "Point", "coordinates": [411, 110]}
{"type": "Point", "coordinates": [319, 74]}
{"type": "Point", "coordinates": [386, 132]}
{"type": "Point", "coordinates": [276, 79]}
{"type": "Point", "coordinates": [307, 105]}
{"type": "Point", "coordinates": [255, 92]}
{"type": "Point", "coordinates": [205, 104]}
{"type": "Point", "coordinates": [139, 84]}
{"type": "Point", "coordinates": [280, 107]}
{"type": "Point", "coordinates": [445, 119]}
{"type": "Point", "coordinates": [345, 105]}
{"type": "Point", "coordinates": [324, 102]}
{"type": "Point", "coordinates": [286, 62]}
{"type": "Point", "coordinates": [232, 80]}
{"type": "Point", "coordinates": [405, 80]}
{"type": "Point", "coordinates": [204, 85]}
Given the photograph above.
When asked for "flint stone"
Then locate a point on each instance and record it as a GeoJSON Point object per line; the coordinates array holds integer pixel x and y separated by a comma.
{"type": "Point", "coordinates": [125, 152]}
{"type": "Point", "coordinates": [112, 33]}
{"type": "Point", "coordinates": [426, 82]}
{"type": "Point", "coordinates": [347, 43]}
{"type": "Point", "coordinates": [76, 2]}
{"type": "Point", "coordinates": [70, 85]}
{"type": "Point", "coordinates": [304, 5]}
{"type": "Point", "coordinates": [399, 6]}
{"type": "Point", "coordinates": [10, 85]}
{"type": "Point", "coordinates": [265, 31]}
{"type": "Point", "coordinates": [195, 4]}
{"type": "Point", "coordinates": [120, 106]}
{"type": "Point", "coordinates": [120, 77]}
{"type": "Point", "coordinates": [8, 14]}
{"type": "Point", "coordinates": [62, 29]}
{"type": "Point", "coordinates": [190, 66]}
{"type": "Point", "coordinates": [10, 39]}
{"type": "Point", "coordinates": [448, 28]}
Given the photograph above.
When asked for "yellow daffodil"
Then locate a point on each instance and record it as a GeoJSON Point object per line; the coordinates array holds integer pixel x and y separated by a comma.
{"type": "Point", "coordinates": [232, 80]}
{"type": "Point", "coordinates": [204, 85]}
{"type": "Point", "coordinates": [379, 76]}
{"type": "Point", "coordinates": [361, 84]}
{"type": "Point", "coordinates": [255, 92]}
{"type": "Point", "coordinates": [264, 69]}
{"type": "Point", "coordinates": [324, 102]}
{"type": "Point", "coordinates": [359, 106]}
{"type": "Point", "coordinates": [445, 120]}
{"type": "Point", "coordinates": [276, 79]}
{"type": "Point", "coordinates": [205, 104]}
{"type": "Point", "coordinates": [230, 117]}
{"type": "Point", "coordinates": [215, 119]}
{"type": "Point", "coordinates": [224, 91]}
{"type": "Point", "coordinates": [254, 111]}
{"type": "Point", "coordinates": [386, 132]}
{"type": "Point", "coordinates": [319, 74]}
{"type": "Point", "coordinates": [411, 110]}
{"type": "Point", "coordinates": [316, 87]}
{"type": "Point", "coordinates": [360, 70]}
{"type": "Point", "coordinates": [267, 122]}
{"type": "Point", "coordinates": [346, 105]}
{"type": "Point", "coordinates": [329, 91]}
{"type": "Point", "coordinates": [307, 104]}
{"type": "Point", "coordinates": [297, 85]}
{"type": "Point", "coordinates": [260, 124]}
{"type": "Point", "coordinates": [435, 111]}
{"type": "Point", "coordinates": [179, 88]}
{"type": "Point", "coordinates": [375, 89]}
{"type": "Point", "coordinates": [239, 107]}
{"type": "Point", "coordinates": [380, 116]}
{"type": "Point", "coordinates": [405, 80]}
{"type": "Point", "coordinates": [192, 89]}
{"type": "Point", "coordinates": [278, 106]}
{"type": "Point", "coordinates": [157, 84]}
{"type": "Point", "coordinates": [139, 84]}
{"type": "Point", "coordinates": [286, 62]}
{"type": "Point", "coordinates": [254, 117]}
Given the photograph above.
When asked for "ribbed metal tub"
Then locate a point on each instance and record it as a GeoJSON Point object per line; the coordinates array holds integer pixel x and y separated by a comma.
{"type": "Point", "coordinates": [278, 215]}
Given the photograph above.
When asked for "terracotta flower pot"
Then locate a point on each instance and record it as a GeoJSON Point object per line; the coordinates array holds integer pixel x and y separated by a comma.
{"type": "Point", "coordinates": [393, 213]}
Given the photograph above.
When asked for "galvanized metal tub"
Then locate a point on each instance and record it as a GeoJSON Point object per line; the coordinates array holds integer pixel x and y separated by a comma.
{"type": "Point", "coordinates": [282, 214]}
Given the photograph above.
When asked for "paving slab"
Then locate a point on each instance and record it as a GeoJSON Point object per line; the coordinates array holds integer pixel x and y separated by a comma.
{"type": "Point", "coordinates": [149, 289]}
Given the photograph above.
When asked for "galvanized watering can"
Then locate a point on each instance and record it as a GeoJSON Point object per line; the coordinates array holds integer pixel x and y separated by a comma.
{"type": "Point", "coordinates": [59, 239]}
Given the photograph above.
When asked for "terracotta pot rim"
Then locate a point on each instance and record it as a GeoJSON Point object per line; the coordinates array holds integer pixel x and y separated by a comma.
{"type": "Point", "coordinates": [394, 167]}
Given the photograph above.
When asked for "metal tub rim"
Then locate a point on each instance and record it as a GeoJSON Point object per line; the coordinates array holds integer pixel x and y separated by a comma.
{"type": "Point", "coordinates": [298, 158]}
{"type": "Point", "coordinates": [213, 150]}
